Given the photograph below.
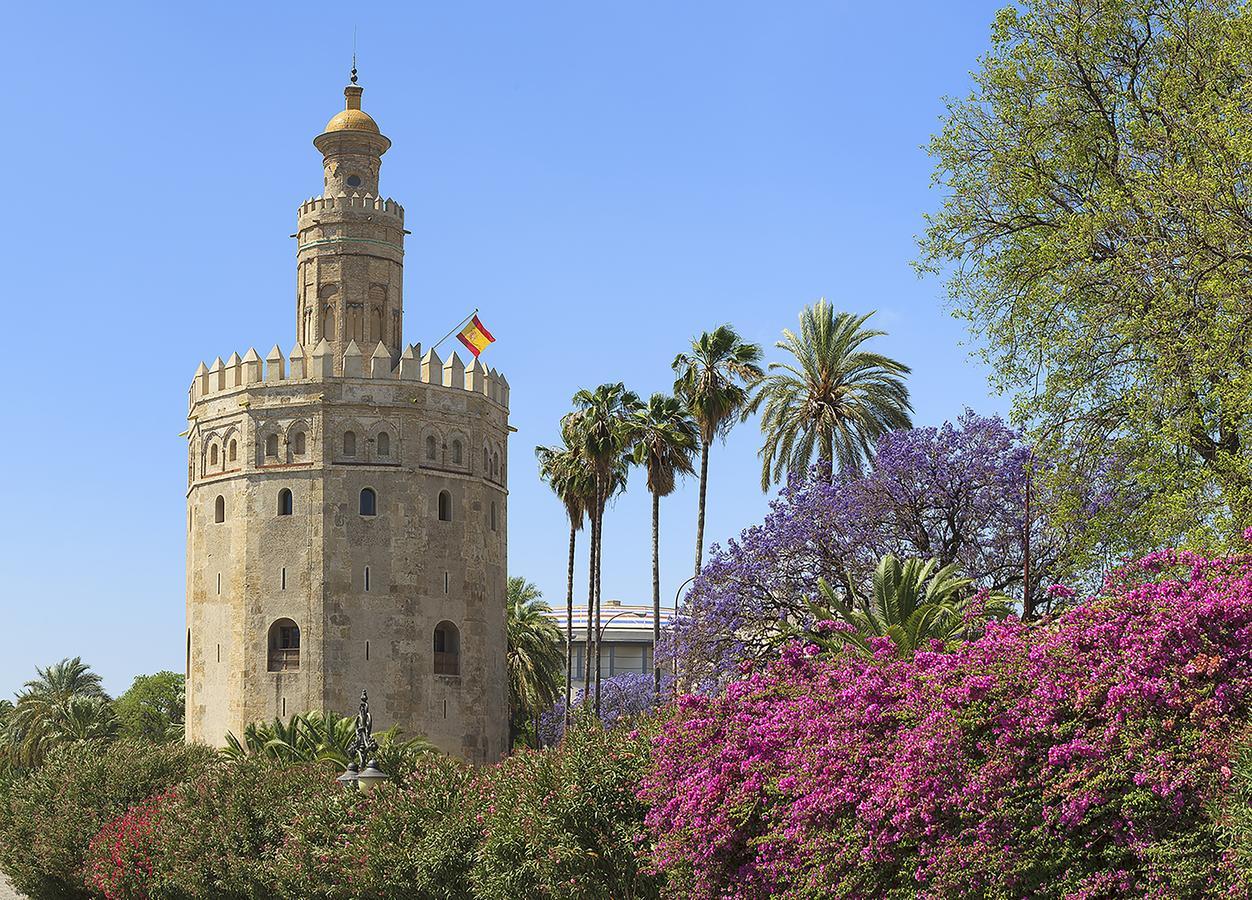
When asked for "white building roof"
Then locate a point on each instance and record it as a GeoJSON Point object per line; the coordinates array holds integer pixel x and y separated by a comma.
{"type": "Point", "coordinates": [620, 621]}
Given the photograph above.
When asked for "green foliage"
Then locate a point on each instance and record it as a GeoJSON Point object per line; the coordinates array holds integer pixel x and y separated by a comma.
{"type": "Point", "coordinates": [50, 814]}
{"type": "Point", "coordinates": [1234, 816]}
{"type": "Point", "coordinates": [153, 708]}
{"type": "Point", "coordinates": [557, 823]}
{"type": "Point", "coordinates": [912, 603]}
{"type": "Point", "coordinates": [834, 401]}
{"type": "Point", "coordinates": [64, 704]}
{"type": "Point", "coordinates": [417, 841]}
{"type": "Point", "coordinates": [1094, 233]}
{"type": "Point", "coordinates": [536, 656]}
{"type": "Point", "coordinates": [318, 737]}
{"type": "Point", "coordinates": [715, 378]}
{"type": "Point", "coordinates": [565, 822]}
{"type": "Point", "coordinates": [663, 439]}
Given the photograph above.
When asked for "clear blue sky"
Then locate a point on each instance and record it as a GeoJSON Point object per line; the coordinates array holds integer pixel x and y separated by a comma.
{"type": "Point", "coordinates": [604, 180]}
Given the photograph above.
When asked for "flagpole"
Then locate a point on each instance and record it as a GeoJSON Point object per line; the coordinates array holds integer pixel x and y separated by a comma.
{"type": "Point", "coordinates": [454, 330]}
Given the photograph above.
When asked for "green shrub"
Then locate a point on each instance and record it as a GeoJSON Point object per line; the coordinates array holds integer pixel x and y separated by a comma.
{"type": "Point", "coordinates": [414, 838]}
{"type": "Point", "coordinates": [49, 815]}
{"type": "Point", "coordinates": [565, 822]}
{"type": "Point", "coordinates": [215, 836]}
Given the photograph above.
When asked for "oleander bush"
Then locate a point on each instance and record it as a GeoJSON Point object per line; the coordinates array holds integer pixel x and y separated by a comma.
{"type": "Point", "coordinates": [1079, 758]}
{"type": "Point", "coordinates": [49, 815]}
{"type": "Point", "coordinates": [562, 822]}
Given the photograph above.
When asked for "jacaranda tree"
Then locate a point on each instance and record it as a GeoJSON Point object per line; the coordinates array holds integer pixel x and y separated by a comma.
{"type": "Point", "coordinates": [955, 494]}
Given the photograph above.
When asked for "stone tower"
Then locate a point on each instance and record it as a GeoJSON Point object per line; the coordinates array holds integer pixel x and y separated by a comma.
{"type": "Point", "coordinates": [347, 501]}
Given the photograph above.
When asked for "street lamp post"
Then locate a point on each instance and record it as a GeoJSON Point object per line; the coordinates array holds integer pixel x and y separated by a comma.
{"type": "Point", "coordinates": [363, 771]}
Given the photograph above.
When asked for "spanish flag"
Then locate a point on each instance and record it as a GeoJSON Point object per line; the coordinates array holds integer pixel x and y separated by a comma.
{"type": "Point", "coordinates": [475, 337]}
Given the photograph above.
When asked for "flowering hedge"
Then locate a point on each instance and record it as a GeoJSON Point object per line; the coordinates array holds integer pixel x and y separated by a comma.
{"type": "Point", "coordinates": [1076, 759]}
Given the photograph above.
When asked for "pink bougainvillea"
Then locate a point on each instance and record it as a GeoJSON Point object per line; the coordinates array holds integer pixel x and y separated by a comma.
{"type": "Point", "coordinates": [1073, 758]}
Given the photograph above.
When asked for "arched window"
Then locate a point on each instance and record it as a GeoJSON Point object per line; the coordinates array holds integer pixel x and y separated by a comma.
{"type": "Point", "coordinates": [284, 646]}
{"type": "Point", "coordinates": [298, 444]}
{"type": "Point", "coordinates": [495, 465]}
{"type": "Point", "coordinates": [447, 649]}
{"type": "Point", "coordinates": [369, 502]}
{"type": "Point", "coordinates": [486, 463]}
{"type": "Point", "coordinates": [219, 509]}
{"type": "Point", "coordinates": [432, 448]}
{"type": "Point", "coordinates": [233, 452]}
{"type": "Point", "coordinates": [284, 502]}
{"type": "Point", "coordinates": [384, 444]}
{"type": "Point", "coordinates": [456, 453]}
{"type": "Point", "coordinates": [493, 515]}
{"type": "Point", "coordinates": [213, 455]}
{"type": "Point", "coordinates": [349, 443]}
{"type": "Point", "coordinates": [271, 445]}
{"type": "Point", "coordinates": [328, 324]}
{"type": "Point", "coordinates": [445, 506]}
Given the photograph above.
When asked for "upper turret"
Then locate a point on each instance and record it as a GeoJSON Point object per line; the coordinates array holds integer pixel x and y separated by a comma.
{"type": "Point", "coordinates": [350, 250]}
{"type": "Point", "coordinates": [352, 147]}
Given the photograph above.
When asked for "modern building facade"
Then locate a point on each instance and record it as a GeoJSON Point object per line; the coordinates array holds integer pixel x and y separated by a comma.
{"type": "Point", "coordinates": [627, 638]}
{"type": "Point", "coordinates": [347, 500]}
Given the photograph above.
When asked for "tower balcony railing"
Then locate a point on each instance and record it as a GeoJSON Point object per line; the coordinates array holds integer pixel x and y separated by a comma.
{"type": "Point", "coordinates": [284, 660]}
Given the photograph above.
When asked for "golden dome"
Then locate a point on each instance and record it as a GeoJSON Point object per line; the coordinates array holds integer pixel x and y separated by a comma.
{"type": "Point", "coordinates": [353, 120]}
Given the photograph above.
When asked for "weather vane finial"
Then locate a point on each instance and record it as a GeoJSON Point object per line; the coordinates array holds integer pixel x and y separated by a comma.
{"type": "Point", "coordinates": [353, 78]}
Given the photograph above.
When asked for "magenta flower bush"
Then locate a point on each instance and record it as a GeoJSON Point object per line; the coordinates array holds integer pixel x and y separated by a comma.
{"type": "Point", "coordinates": [1077, 758]}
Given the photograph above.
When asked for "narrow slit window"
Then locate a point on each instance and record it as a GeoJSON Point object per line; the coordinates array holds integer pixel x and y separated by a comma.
{"type": "Point", "coordinates": [367, 578]}
{"type": "Point", "coordinates": [219, 652]}
{"type": "Point", "coordinates": [282, 579]}
{"type": "Point", "coordinates": [367, 651]}
{"type": "Point", "coordinates": [219, 582]}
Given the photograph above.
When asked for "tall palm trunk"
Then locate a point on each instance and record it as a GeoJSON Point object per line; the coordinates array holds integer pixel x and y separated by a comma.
{"type": "Point", "coordinates": [591, 606]}
{"type": "Point", "coordinates": [704, 483]}
{"type": "Point", "coordinates": [656, 593]}
{"type": "Point", "coordinates": [569, 628]}
{"type": "Point", "coordinates": [599, 599]}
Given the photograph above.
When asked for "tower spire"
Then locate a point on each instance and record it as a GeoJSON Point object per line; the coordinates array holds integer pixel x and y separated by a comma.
{"type": "Point", "coordinates": [353, 77]}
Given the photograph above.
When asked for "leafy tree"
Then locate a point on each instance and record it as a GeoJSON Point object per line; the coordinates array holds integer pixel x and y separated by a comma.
{"type": "Point", "coordinates": [534, 657]}
{"type": "Point", "coordinates": [153, 708]}
{"type": "Point", "coordinates": [836, 399]}
{"type": "Point", "coordinates": [664, 439]}
{"type": "Point", "coordinates": [564, 469]}
{"type": "Point", "coordinates": [911, 604]}
{"type": "Point", "coordinates": [714, 380]}
{"type": "Point", "coordinates": [599, 427]}
{"type": "Point", "coordinates": [1094, 234]}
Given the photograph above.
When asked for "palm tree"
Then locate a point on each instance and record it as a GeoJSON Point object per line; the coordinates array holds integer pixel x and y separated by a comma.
{"type": "Point", "coordinates": [714, 381]}
{"type": "Point", "coordinates": [65, 703]}
{"type": "Point", "coordinates": [835, 399]}
{"type": "Point", "coordinates": [534, 656]}
{"type": "Point", "coordinates": [665, 439]}
{"type": "Point", "coordinates": [912, 603]}
{"type": "Point", "coordinates": [599, 428]}
{"type": "Point", "coordinates": [565, 470]}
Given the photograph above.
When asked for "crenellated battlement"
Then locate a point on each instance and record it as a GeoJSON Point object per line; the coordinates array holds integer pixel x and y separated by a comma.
{"type": "Point", "coordinates": [319, 365]}
{"type": "Point", "coordinates": [353, 202]}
